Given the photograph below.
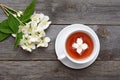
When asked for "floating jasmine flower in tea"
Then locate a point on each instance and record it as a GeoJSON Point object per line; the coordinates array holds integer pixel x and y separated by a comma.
{"type": "Point", "coordinates": [80, 46]}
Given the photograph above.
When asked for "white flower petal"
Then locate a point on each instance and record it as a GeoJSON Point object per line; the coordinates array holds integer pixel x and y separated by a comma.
{"type": "Point", "coordinates": [33, 24]}
{"type": "Point", "coordinates": [38, 45]}
{"type": "Point", "coordinates": [41, 45]}
{"type": "Point", "coordinates": [45, 45]}
{"type": "Point", "coordinates": [14, 35]}
{"type": "Point", "coordinates": [41, 16]}
{"type": "Point", "coordinates": [84, 46]}
{"type": "Point", "coordinates": [23, 46]}
{"type": "Point", "coordinates": [33, 46]}
{"type": "Point", "coordinates": [75, 45]}
{"type": "Point", "coordinates": [28, 49]}
{"type": "Point", "coordinates": [32, 39]}
{"type": "Point", "coordinates": [35, 18]}
{"type": "Point", "coordinates": [44, 24]}
{"type": "Point", "coordinates": [47, 39]}
{"type": "Point", "coordinates": [20, 28]}
{"type": "Point", "coordinates": [47, 25]}
{"type": "Point", "coordinates": [79, 41]}
{"type": "Point", "coordinates": [79, 51]}
{"type": "Point", "coordinates": [46, 18]}
{"type": "Point", "coordinates": [40, 28]}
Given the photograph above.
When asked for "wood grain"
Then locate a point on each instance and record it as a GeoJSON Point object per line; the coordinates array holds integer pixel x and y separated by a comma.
{"type": "Point", "coordinates": [54, 70]}
{"type": "Point", "coordinates": [108, 35]}
{"type": "Point", "coordinates": [103, 16]}
{"type": "Point", "coordinates": [73, 11]}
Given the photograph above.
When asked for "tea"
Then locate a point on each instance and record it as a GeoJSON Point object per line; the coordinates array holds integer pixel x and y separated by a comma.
{"type": "Point", "coordinates": [79, 45]}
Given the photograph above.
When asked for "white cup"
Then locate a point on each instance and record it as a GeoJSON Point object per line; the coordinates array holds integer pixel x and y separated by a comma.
{"type": "Point", "coordinates": [76, 28]}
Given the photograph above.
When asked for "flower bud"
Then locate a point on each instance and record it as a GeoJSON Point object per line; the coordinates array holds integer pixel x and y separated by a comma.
{"type": "Point", "coordinates": [19, 13]}
{"type": "Point", "coordinates": [14, 15]}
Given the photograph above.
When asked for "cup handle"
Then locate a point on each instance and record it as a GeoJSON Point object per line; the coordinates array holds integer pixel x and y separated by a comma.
{"type": "Point", "coordinates": [62, 57]}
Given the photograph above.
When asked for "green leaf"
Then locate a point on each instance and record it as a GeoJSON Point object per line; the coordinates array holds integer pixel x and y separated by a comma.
{"type": "Point", "coordinates": [4, 27]}
{"type": "Point", "coordinates": [3, 36]}
{"type": "Point", "coordinates": [28, 11]}
{"type": "Point", "coordinates": [13, 23]}
{"type": "Point", "coordinates": [17, 39]}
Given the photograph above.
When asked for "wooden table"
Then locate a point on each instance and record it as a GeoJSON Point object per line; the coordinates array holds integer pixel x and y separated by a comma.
{"type": "Point", "coordinates": [42, 64]}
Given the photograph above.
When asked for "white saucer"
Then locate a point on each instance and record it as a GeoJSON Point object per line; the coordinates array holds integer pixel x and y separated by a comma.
{"type": "Point", "coordinates": [59, 47]}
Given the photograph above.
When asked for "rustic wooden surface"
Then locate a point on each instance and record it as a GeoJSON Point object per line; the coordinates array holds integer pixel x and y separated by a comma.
{"type": "Point", "coordinates": [103, 16]}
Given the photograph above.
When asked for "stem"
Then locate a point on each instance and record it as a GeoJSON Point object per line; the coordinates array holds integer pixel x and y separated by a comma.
{"type": "Point", "coordinates": [0, 4]}
{"type": "Point", "coordinates": [14, 17]}
{"type": "Point", "coordinates": [7, 12]}
{"type": "Point", "coordinates": [8, 8]}
{"type": "Point", "coordinates": [4, 9]}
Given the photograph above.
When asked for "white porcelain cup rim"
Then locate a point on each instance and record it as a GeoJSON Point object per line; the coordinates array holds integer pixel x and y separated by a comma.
{"type": "Point", "coordinates": [75, 28]}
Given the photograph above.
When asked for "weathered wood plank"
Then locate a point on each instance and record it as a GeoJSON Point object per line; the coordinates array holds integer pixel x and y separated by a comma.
{"type": "Point", "coordinates": [54, 70]}
{"type": "Point", "coordinates": [108, 35]}
{"type": "Point", "coordinates": [73, 11]}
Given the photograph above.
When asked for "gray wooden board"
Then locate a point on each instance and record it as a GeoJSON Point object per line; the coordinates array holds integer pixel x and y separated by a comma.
{"type": "Point", "coordinates": [73, 11]}
{"type": "Point", "coordinates": [54, 70]}
{"type": "Point", "coordinates": [108, 35]}
{"type": "Point", "coordinates": [42, 64]}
